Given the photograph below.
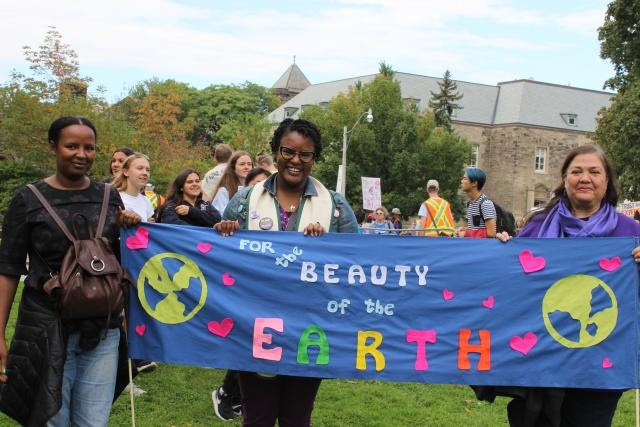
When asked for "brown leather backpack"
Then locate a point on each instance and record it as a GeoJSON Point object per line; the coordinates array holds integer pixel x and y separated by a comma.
{"type": "Point", "coordinates": [91, 282]}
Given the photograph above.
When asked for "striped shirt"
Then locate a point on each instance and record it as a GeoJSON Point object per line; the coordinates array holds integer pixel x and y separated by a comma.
{"type": "Point", "coordinates": [474, 218]}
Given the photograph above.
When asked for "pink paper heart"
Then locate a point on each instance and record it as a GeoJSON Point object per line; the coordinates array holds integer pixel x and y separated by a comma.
{"type": "Point", "coordinates": [221, 328]}
{"type": "Point", "coordinates": [610, 264]}
{"type": "Point", "coordinates": [140, 240]}
{"type": "Point", "coordinates": [488, 302]}
{"type": "Point", "coordinates": [141, 329]}
{"type": "Point", "coordinates": [523, 345]}
{"type": "Point", "coordinates": [447, 294]}
{"type": "Point", "coordinates": [531, 263]}
{"type": "Point", "coordinates": [204, 247]}
{"type": "Point", "coordinates": [227, 280]}
{"type": "Point", "coordinates": [606, 363]}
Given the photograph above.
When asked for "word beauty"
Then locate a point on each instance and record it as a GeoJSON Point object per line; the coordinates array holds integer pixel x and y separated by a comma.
{"type": "Point", "coordinates": [502, 325]}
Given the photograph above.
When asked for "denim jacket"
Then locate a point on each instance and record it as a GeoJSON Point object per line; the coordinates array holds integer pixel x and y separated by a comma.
{"type": "Point", "coordinates": [343, 221]}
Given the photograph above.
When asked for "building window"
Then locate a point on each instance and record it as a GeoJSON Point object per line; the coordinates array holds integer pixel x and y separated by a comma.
{"type": "Point", "coordinates": [570, 119]}
{"type": "Point", "coordinates": [411, 103]}
{"type": "Point", "coordinates": [475, 150]}
{"type": "Point", "coordinates": [324, 105]}
{"type": "Point", "coordinates": [304, 107]}
{"type": "Point", "coordinates": [289, 111]}
{"type": "Point", "coordinates": [541, 159]}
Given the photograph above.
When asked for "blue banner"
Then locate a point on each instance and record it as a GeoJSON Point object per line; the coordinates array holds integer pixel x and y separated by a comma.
{"type": "Point", "coordinates": [531, 312]}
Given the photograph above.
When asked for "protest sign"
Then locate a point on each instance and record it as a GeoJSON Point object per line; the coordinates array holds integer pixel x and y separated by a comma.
{"type": "Point", "coordinates": [531, 312]}
{"type": "Point", "coordinates": [371, 194]}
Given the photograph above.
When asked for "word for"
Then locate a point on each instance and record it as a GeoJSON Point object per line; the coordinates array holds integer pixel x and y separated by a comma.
{"type": "Point", "coordinates": [377, 276]}
{"type": "Point", "coordinates": [257, 246]}
{"type": "Point", "coordinates": [368, 343]}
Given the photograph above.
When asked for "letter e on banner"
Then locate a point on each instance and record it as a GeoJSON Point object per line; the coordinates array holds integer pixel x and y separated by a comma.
{"type": "Point", "coordinates": [260, 338]}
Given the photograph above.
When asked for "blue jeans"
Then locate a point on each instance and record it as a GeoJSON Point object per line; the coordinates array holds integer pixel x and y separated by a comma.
{"type": "Point", "coordinates": [89, 383]}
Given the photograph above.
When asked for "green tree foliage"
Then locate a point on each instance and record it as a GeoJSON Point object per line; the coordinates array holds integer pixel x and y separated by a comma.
{"type": "Point", "coordinates": [443, 103]}
{"type": "Point", "coordinates": [618, 130]}
{"type": "Point", "coordinates": [400, 146]}
{"type": "Point", "coordinates": [386, 70]}
{"type": "Point", "coordinates": [620, 41]}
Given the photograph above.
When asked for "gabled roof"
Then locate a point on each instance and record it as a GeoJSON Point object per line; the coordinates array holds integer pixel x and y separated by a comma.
{"type": "Point", "coordinates": [292, 79]}
{"type": "Point", "coordinates": [519, 101]}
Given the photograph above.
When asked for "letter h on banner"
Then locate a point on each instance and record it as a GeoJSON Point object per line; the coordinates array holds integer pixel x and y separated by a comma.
{"type": "Point", "coordinates": [484, 348]}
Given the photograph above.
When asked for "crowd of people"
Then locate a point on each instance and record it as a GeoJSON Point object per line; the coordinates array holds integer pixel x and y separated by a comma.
{"type": "Point", "coordinates": [61, 371]}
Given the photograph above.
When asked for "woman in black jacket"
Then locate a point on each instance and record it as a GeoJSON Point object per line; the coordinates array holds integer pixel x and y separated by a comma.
{"type": "Point", "coordinates": [184, 205]}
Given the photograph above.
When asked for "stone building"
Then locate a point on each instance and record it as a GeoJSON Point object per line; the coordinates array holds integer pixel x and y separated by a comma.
{"type": "Point", "coordinates": [520, 130]}
{"type": "Point", "coordinates": [291, 82]}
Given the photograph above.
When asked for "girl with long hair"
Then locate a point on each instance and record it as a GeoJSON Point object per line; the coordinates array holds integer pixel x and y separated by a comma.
{"type": "Point", "coordinates": [232, 180]}
{"type": "Point", "coordinates": [131, 183]}
{"type": "Point", "coordinates": [185, 205]}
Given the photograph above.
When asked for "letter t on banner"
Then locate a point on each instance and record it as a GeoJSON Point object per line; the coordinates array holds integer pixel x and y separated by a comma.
{"type": "Point", "coordinates": [484, 348]}
{"type": "Point", "coordinates": [421, 337]}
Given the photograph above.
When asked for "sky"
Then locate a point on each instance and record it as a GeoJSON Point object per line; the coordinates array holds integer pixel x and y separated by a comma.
{"type": "Point", "coordinates": [121, 43]}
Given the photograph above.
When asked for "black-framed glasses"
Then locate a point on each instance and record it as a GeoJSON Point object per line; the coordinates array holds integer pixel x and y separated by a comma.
{"type": "Point", "coordinates": [304, 156]}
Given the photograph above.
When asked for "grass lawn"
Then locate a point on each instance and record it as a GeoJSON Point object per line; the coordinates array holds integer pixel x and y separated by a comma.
{"type": "Point", "coordinates": [181, 396]}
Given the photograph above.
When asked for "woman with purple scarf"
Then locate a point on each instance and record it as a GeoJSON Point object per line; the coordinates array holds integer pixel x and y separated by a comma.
{"type": "Point", "coordinates": [583, 206]}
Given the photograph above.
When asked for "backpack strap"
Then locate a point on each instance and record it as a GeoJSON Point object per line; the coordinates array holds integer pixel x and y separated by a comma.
{"type": "Point", "coordinates": [53, 213]}
{"type": "Point", "coordinates": [103, 209]}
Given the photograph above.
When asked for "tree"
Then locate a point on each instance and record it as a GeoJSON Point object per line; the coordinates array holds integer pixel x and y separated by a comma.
{"type": "Point", "coordinates": [386, 70]}
{"type": "Point", "coordinates": [618, 130]}
{"type": "Point", "coordinates": [620, 37]}
{"type": "Point", "coordinates": [443, 103]}
{"type": "Point", "coordinates": [400, 146]}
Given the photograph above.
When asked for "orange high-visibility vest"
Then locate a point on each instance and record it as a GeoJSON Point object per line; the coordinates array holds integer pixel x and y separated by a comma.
{"type": "Point", "coordinates": [440, 210]}
{"type": "Point", "coordinates": [156, 199]}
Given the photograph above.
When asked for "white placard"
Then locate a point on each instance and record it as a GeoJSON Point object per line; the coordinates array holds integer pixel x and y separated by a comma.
{"type": "Point", "coordinates": [371, 194]}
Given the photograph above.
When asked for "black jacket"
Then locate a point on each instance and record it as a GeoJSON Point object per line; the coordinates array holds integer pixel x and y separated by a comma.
{"type": "Point", "coordinates": [203, 214]}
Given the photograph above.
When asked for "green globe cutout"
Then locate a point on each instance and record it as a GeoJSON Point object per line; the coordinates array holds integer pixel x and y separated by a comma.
{"type": "Point", "coordinates": [170, 309]}
{"type": "Point", "coordinates": [572, 295]}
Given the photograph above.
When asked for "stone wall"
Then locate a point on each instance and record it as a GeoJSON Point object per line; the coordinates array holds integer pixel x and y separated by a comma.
{"type": "Point", "coordinates": [507, 155]}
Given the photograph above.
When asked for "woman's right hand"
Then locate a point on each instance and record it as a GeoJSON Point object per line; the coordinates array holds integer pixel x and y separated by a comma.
{"type": "Point", "coordinates": [503, 236]}
{"type": "Point", "coordinates": [128, 218]}
{"type": "Point", "coordinates": [227, 228]}
{"type": "Point", "coordinates": [182, 210]}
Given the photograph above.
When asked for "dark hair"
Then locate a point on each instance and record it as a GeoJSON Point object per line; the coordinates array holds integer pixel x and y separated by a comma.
{"type": "Point", "coordinates": [175, 193]}
{"type": "Point", "coordinates": [611, 195]}
{"type": "Point", "coordinates": [304, 128]}
{"type": "Point", "coordinates": [255, 172]}
{"type": "Point", "coordinates": [223, 153]}
{"type": "Point", "coordinates": [229, 179]}
{"type": "Point", "coordinates": [476, 175]}
{"type": "Point", "coordinates": [125, 150]}
{"type": "Point", "coordinates": [360, 216]}
{"type": "Point", "coordinates": [56, 127]}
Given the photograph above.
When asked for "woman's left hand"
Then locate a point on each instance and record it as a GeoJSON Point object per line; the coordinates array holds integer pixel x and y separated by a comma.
{"type": "Point", "coordinates": [314, 230]}
{"type": "Point", "coordinates": [128, 218]}
{"type": "Point", "coordinates": [636, 254]}
{"type": "Point", "coordinates": [503, 236]}
{"type": "Point", "coordinates": [182, 209]}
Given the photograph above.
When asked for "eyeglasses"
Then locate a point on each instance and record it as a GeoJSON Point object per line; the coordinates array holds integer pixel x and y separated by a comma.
{"type": "Point", "coordinates": [379, 213]}
{"type": "Point", "coordinates": [305, 156]}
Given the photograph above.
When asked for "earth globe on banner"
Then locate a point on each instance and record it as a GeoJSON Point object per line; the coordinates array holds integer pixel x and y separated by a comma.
{"type": "Point", "coordinates": [579, 311]}
{"type": "Point", "coordinates": [171, 288]}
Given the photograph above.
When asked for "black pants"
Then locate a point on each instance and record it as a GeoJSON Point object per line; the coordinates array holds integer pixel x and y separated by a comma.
{"type": "Point", "coordinates": [231, 386]}
{"type": "Point", "coordinates": [289, 400]}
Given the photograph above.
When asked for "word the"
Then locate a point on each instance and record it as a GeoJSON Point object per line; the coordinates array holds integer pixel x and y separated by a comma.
{"type": "Point", "coordinates": [285, 259]}
{"type": "Point", "coordinates": [378, 308]}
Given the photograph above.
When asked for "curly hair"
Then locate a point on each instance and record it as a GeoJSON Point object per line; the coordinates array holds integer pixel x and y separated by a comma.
{"type": "Point", "coordinates": [301, 126]}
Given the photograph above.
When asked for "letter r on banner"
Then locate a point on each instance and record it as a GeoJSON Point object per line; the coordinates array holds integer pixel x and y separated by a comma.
{"type": "Point", "coordinates": [260, 338]}
{"type": "Point", "coordinates": [372, 349]}
{"type": "Point", "coordinates": [484, 348]}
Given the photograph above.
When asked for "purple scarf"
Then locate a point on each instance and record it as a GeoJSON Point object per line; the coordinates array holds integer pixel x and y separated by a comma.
{"type": "Point", "coordinates": [560, 222]}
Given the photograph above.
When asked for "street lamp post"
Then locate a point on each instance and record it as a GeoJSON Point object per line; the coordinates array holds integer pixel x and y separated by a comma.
{"type": "Point", "coordinates": [342, 172]}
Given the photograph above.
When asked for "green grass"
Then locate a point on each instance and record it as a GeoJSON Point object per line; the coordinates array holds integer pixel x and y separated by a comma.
{"type": "Point", "coordinates": [181, 396]}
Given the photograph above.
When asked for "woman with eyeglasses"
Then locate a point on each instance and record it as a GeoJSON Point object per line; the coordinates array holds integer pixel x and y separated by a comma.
{"type": "Point", "coordinates": [302, 204]}
{"type": "Point", "coordinates": [381, 225]}
{"type": "Point", "coordinates": [232, 179]}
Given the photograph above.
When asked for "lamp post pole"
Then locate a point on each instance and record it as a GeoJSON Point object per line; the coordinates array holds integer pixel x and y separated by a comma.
{"type": "Point", "coordinates": [342, 172]}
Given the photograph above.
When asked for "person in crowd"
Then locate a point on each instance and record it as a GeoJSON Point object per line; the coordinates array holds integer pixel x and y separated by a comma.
{"type": "Point", "coordinates": [222, 155]}
{"type": "Point", "coordinates": [130, 184]}
{"type": "Point", "coordinates": [296, 144]}
{"type": "Point", "coordinates": [265, 161]}
{"type": "Point", "coordinates": [232, 179]}
{"type": "Point", "coordinates": [481, 213]}
{"type": "Point", "coordinates": [131, 181]}
{"type": "Point", "coordinates": [256, 175]}
{"type": "Point", "coordinates": [584, 206]}
{"type": "Point", "coordinates": [117, 159]}
{"type": "Point", "coordinates": [435, 213]}
{"type": "Point", "coordinates": [396, 220]}
{"type": "Point", "coordinates": [185, 206]}
{"type": "Point", "coordinates": [72, 378]}
{"type": "Point", "coordinates": [360, 218]}
{"type": "Point", "coordinates": [156, 199]}
{"type": "Point", "coordinates": [381, 225]}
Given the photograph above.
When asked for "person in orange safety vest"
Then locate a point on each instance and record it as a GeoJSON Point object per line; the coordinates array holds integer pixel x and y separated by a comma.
{"type": "Point", "coordinates": [435, 213]}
